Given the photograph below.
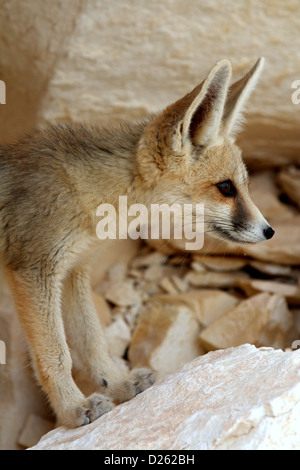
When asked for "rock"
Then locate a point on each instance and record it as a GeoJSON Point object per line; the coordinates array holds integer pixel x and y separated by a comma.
{"type": "Point", "coordinates": [272, 269]}
{"type": "Point", "coordinates": [284, 248]}
{"type": "Point", "coordinates": [239, 399]}
{"type": "Point", "coordinates": [117, 272]}
{"type": "Point", "coordinates": [101, 45]}
{"type": "Point", "coordinates": [157, 272]}
{"type": "Point", "coordinates": [265, 195]}
{"type": "Point", "coordinates": [263, 320]}
{"type": "Point", "coordinates": [198, 266]}
{"type": "Point", "coordinates": [154, 273]}
{"type": "Point", "coordinates": [166, 337]}
{"type": "Point", "coordinates": [117, 251]}
{"type": "Point", "coordinates": [102, 308]}
{"type": "Point", "coordinates": [212, 304]}
{"type": "Point", "coordinates": [149, 288]}
{"type": "Point", "coordinates": [221, 263]}
{"type": "Point", "coordinates": [168, 286]}
{"type": "Point", "coordinates": [180, 284]}
{"type": "Point", "coordinates": [153, 259]}
{"type": "Point", "coordinates": [118, 337]}
{"type": "Point", "coordinates": [206, 304]}
{"type": "Point", "coordinates": [179, 261]}
{"type": "Point", "coordinates": [28, 57]}
{"type": "Point", "coordinates": [123, 294]}
{"type": "Point", "coordinates": [34, 429]}
{"type": "Point", "coordinates": [254, 286]}
{"type": "Point", "coordinates": [214, 279]}
{"type": "Point", "coordinates": [289, 180]}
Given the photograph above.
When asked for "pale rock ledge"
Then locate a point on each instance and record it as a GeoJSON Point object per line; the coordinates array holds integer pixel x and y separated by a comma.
{"type": "Point", "coordinates": [239, 398]}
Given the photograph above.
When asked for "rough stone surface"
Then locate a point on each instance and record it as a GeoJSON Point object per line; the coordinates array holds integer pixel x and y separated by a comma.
{"type": "Point", "coordinates": [289, 180]}
{"type": "Point", "coordinates": [220, 263]}
{"type": "Point", "coordinates": [271, 269]}
{"type": "Point", "coordinates": [254, 286]}
{"type": "Point", "coordinates": [265, 194]}
{"type": "Point", "coordinates": [118, 337]}
{"type": "Point", "coordinates": [165, 339]}
{"type": "Point", "coordinates": [125, 59]}
{"type": "Point", "coordinates": [123, 294]}
{"type": "Point", "coordinates": [35, 427]}
{"type": "Point", "coordinates": [206, 304]}
{"type": "Point", "coordinates": [117, 251]}
{"type": "Point", "coordinates": [241, 398]}
{"type": "Point", "coordinates": [91, 60]}
{"type": "Point", "coordinates": [34, 36]}
{"type": "Point", "coordinates": [263, 320]}
{"type": "Point", "coordinates": [215, 279]}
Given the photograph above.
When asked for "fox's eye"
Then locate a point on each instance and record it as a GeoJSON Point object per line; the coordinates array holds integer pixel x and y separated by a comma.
{"type": "Point", "coordinates": [227, 188]}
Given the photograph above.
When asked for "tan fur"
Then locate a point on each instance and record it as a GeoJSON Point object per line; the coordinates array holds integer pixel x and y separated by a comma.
{"type": "Point", "coordinates": [51, 185]}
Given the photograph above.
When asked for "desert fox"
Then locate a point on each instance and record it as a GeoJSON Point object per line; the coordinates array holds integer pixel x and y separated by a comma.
{"type": "Point", "coordinates": [51, 184]}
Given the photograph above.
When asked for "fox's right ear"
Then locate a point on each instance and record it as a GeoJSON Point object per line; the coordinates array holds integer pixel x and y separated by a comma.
{"type": "Point", "coordinates": [196, 118]}
{"type": "Point", "coordinates": [202, 120]}
{"type": "Point", "coordinates": [238, 95]}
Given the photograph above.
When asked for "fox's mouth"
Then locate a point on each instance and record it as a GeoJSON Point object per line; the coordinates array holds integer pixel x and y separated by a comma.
{"type": "Point", "coordinates": [227, 235]}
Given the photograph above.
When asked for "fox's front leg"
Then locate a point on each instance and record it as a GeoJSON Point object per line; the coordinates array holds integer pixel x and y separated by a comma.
{"type": "Point", "coordinates": [38, 304]}
{"type": "Point", "coordinates": [87, 337]}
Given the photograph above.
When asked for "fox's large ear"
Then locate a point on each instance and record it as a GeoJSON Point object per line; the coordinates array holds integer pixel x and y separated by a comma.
{"type": "Point", "coordinates": [202, 120]}
{"type": "Point", "coordinates": [238, 94]}
{"type": "Point", "coordinates": [196, 118]}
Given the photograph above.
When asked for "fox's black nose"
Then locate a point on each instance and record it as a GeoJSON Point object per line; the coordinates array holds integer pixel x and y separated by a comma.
{"type": "Point", "coordinates": [268, 233]}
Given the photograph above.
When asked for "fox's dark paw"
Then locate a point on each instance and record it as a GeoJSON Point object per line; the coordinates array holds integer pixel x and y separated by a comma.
{"type": "Point", "coordinates": [86, 412]}
{"type": "Point", "coordinates": [136, 382]}
{"type": "Point", "coordinates": [98, 405]}
{"type": "Point", "coordinates": [141, 379]}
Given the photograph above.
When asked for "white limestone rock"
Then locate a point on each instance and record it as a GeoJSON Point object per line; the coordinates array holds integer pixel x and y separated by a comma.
{"type": "Point", "coordinates": [118, 337]}
{"type": "Point", "coordinates": [215, 279]}
{"type": "Point", "coordinates": [240, 398]}
{"type": "Point", "coordinates": [34, 428]}
{"type": "Point", "coordinates": [128, 58]}
{"type": "Point", "coordinates": [166, 338]}
{"type": "Point", "coordinates": [123, 294]}
{"type": "Point", "coordinates": [206, 304]}
{"type": "Point", "coordinates": [263, 320]}
{"type": "Point", "coordinates": [265, 194]}
{"type": "Point", "coordinates": [289, 180]}
{"type": "Point", "coordinates": [219, 263]}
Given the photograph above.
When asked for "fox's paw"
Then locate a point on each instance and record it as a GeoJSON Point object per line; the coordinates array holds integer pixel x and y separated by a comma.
{"type": "Point", "coordinates": [136, 382]}
{"type": "Point", "coordinates": [141, 379]}
{"type": "Point", "coordinates": [88, 411]}
{"type": "Point", "coordinates": [97, 405]}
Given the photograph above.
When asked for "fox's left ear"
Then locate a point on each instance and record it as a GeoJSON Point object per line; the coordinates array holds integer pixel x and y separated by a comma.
{"type": "Point", "coordinates": [237, 96]}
